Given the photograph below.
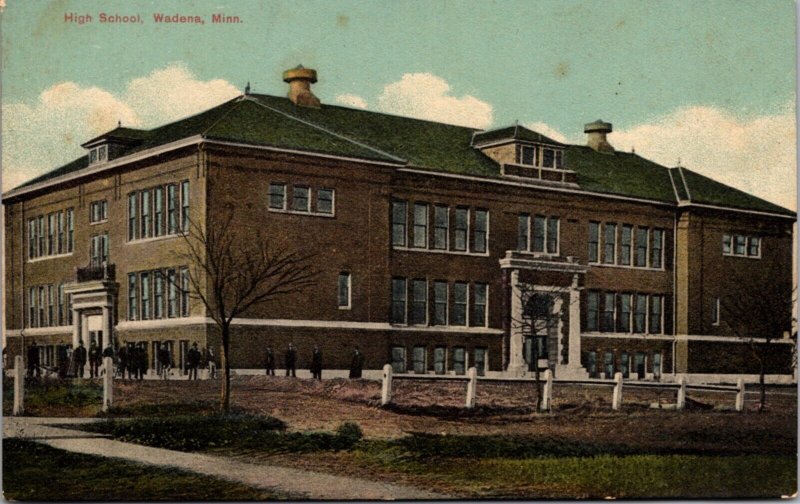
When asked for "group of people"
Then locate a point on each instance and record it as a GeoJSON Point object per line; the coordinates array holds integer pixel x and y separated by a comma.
{"type": "Point", "coordinates": [290, 362]}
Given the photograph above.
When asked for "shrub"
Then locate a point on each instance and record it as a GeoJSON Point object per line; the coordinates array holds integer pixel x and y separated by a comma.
{"type": "Point", "coordinates": [350, 433]}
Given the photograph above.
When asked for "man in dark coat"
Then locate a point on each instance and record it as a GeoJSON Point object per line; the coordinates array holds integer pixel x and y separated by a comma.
{"type": "Point", "coordinates": [94, 360]}
{"type": "Point", "coordinates": [79, 356]}
{"type": "Point", "coordinates": [291, 360]}
{"type": "Point", "coordinates": [193, 358]}
{"type": "Point", "coordinates": [316, 363]}
{"type": "Point", "coordinates": [141, 361]}
{"type": "Point", "coordinates": [33, 360]}
{"type": "Point", "coordinates": [123, 356]}
{"type": "Point", "coordinates": [165, 360]}
{"type": "Point", "coordinates": [63, 361]}
{"type": "Point", "coordinates": [269, 361]}
{"type": "Point", "coordinates": [356, 364]}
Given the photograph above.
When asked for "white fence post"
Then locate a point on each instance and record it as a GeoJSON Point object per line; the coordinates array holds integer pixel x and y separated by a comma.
{"type": "Point", "coordinates": [616, 399]}
{"type": "Point", "coordinates": [386, 390]}
{"type": "Point", "coordinates": [472, 386]}
{"type": "Point", "coordinates": [681, 393]}
{"type": "Point", "coordinates": [19, 386]}
{"type": "Point", "coordinates": [740, 395]}
{"type": "Point", "coordinates": [547, 398]}
{"type": "Point", "coordinates": [108, 383]}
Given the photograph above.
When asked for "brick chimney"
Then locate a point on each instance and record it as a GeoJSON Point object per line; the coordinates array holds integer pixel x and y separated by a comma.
{"type": "Point", "coordinates": [597, 136]}
{"type": "Point", "coordinates": [300, 80]}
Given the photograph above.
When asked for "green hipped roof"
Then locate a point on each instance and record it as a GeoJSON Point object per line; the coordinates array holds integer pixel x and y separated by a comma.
{"type": "Point", "coordinates": [277, 122]}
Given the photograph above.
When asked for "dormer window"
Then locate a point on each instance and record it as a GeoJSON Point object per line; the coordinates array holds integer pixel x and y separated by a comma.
{"type": "Point", "coordinates": [102, 153]}
{"type": "Point", "coordinates": [92, 156]}
{"type": "Point", "coordinates": [545, 157]}
{"type": "Point", "coordinates": [528, 155]}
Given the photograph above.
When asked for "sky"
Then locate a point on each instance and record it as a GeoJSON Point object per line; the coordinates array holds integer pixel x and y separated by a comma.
{"type": "Point", "coordinates": [709, 84]}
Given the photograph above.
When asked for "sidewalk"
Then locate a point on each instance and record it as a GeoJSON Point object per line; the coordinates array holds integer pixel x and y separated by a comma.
{"type": "Point", "coordinates": [309, 484]}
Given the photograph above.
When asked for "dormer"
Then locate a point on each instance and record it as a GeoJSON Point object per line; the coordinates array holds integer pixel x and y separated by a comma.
{"type": "Point", "coordinates": [113, 144]}
{"type": "Point", "coordinates": [524, 153]}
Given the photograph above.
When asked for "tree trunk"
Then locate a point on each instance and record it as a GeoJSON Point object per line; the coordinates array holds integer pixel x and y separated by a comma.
{"type": "Point", "coordinates": [225, 400]}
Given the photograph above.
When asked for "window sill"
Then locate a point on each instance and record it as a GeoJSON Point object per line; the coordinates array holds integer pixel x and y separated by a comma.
{"type": "Point", "coordinates": [624, 335]}
{"type": "Point", "coordinates": [345, 307]}
{"type": "Point", "coordinates": [439, 251]}
{"type": "Point", "coordinates": [152, 239]}
{"type": "Point", "coordinates": [742, 256]}
{"type": "Point", "coordinates": [98, 222]}
{"type": "Point", "coordinates": [45, 258]}
{"type": "Point", "coordinates": [302, 212]}
{"type": "Point", "coordinates": [623, 266]}
{"type": "Point", "coordinates": [540, 255]}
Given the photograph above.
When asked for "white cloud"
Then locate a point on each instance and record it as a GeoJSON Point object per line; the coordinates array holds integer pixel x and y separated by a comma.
{"type": "Point", "coordinates": [426, 96]}
{"type": "Point", "coordinates": [548, 131]}
{"type": "Point", "coordinates": [40, 136]}
{"type": "Point", "coordinates": [351, 100]}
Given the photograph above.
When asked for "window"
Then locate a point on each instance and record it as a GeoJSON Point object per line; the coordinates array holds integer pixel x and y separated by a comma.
{"type": "Point", "coordinates": [277, 196]}
{"type": "Point", "coordinates": [548, 158]}
{"type": "Point", "coordinates": [656, 253]}
{"type": "Point", "coordinates": [158, 294]}
{"type": "Point", "coordinates": [594, 242]}
{"type": "Point", "coordinates": [739, 245]}
{"type": "Point", "coordinates": [132, 216]}
{"type": "Point", "coordinates": [145, 278]}
{"type": "Point", "coordinates": [51, 305]}
{"type": "Point", "coordinates": [610, 244]}
{"type": "Point", "coordinates": [99, 249]}
{"type": "Point", "coordinates": [92, 156]}
{"type": "Point", "coordinates": [639, 365]}
{"type": "Point", "coordinates": [399, 219]}
{"type": "Point", "coordinates": [538, 233]}
{"type": "Point", "coordinates": [624, 320]}
{"type": "Point", "coordinates": [523, 225]}
{"type": "Point", "coordinates": [440, 227]}
{"type": "Point", "coordinates": [51, 234]}
{"type": "Point", "coordinates": [727, 244]}
{"type": "Point", "coordinates": [40, 233]}
{"type": "Point", "coordinates": [421, 225]}
{"type": "Point", "coordinates": [545, 233]}
{"type": "Point", "coordinates": [69, 308]}
{"type": "Point", "coordinates": [158, 216]}
{"type": "Point", "coordinates": [480, 361]}
{"type": "Point", "coordinates": [61, 244]}
{"type": "Point", "coordinates": [460, 291]}
{"type": "Point", "coordinates": [528, 155]}
{"type": "Point", "coordinates": [461, 228]}
{"type": "Point", "coordinates": [146, 216]}
{"type": "Point", "coordinates": [185, 205]}
{"type": "Point", "coordinates": [608, 364]}
{"type": "Point", "coordinates": [640, 313]}
{"type": "Point", "coordinates": [398, 300]}
{"type": "Point", "coordinates": [419, 302]}
{"type": "Point", "coordinates": [132, 308]}
{"type": "Point", "coordinates": [439, 303]}
{"type": "Point", "coordinates": [300, 202]}
{"type": "Point", "coordinates": [657, 365]}
{"type": "Point", "coordinates": [559, 159]}
{"type": "Point", "coordinates": [40, 302]}
{"type": "Point", "coordinates": [656, 304]}
{"type": "Point", "coordinates": [98, 211]}
{"type": "Point", "coordinates": [608, 312]}
{"type": "Point", "coordinates": [480, 232]}
{"type": "Point", "coordinates": [715, 311]}
{"type": "Point", "coordinates": [60, 294]}
{"type": "Point", "coordinates": [70, 229]}
{"type": "Point", "coordinates": [754, 246]}
{"type": "Point", "coordinates": [102, 153]}
{"type": "Point", "coordinates": [592, 311]}
{"type": "Point", "coordinates": [459, 360]}
{"type": "Point", "coordinates": [184, 291]}
{"type": "Point", "coordinates": [344, 290]}
{"type": "Point", "coordinates": [32, 322]}
{"type": "Point", "coordinates": [32, 239]}
{"type": "Point", "coordinates": [419, 360]}
{"type": "Point", "coordinates": [624, 365]}
{"type": "Point", "coordinates": [552, 235]}
{"type": "Point", "coordinates": [398, 359]}
{"type": "Point", "coordinates": [325, 201]}
{"type": "Point", "coordinates": [625, 243]}
{"type": "Point", "coordinates": [479, 305]}
{"type": "Point", "coordinates": [172, 209]}
{"type": "Point", "coordinates": [172, 294]}
{"type": "Point", "coordinates": [642, 238]}
{"type": "Point", "coordinates": [439, 362]}
{"type": "Point", "coordinates": [591, 363]}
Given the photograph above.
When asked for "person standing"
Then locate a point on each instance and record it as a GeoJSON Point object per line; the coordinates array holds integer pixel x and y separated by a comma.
{"type": "Point", "coordinates": [141, 361]}
{"type": "Point", "coordinates": [193, 358]}
{"type": "Point", "coordinates": [63, 361]}
{"type": "Point", "coordinates": [269, 362]}
{"type": "Point", "coordinates": [165, 360]}
{"type": "Point", "coordinates": [33, 360]}
{"type": "Point", "coordinates": [291, 360]}
{"type": "Point", "coordinates": [356, 364]}
{"type": "Point", "coordinates": [212, 364]}
{"type": "Point", "coordinates": [79, 355]}
{"type": "Point", "coordinates": [122, 356]}
{"type": "Point", "coordinates": [94, 360]}
{"type": "Point", "coordinates": [108, 351]}
{"type": "Point", "coordinates": [316, 363]}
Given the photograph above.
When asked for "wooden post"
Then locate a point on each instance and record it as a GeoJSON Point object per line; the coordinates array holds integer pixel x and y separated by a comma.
{"type": "Point", "coordinates": [740, 395]}
{"type": "Point", "coordinates": [547, 395]}
{"type": "Point", "coordinates": [386, 390]}
{"type": "Point", "coordinates": [108, 383]}
{"type": "Point", "coordinates": [472, 386]}
{"type": "Point", "coordinates": [681, 393]}
{"type": "Point", "coordinates": [616, 399]}
{"type": "Point", "coordinates": [19, 386]}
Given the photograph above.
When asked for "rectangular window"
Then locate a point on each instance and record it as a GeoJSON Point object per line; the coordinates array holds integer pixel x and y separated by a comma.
{"type": "Point", "coordinates": [594, 242]}
{"type": "Point", "coordinates": [657, 251]}
{"type": "Point", "coordinates": [624, 320]}
{"type": "Point", "coordinates": [344, 290]}
{"type": "Point", "coordinates": [325, 201]}
{"type": "Point", "coordinates": [548, 157]}
{"type": "Point", "coordinates": [552, 235]}
{"type": "Point", "coordinates": [61, 244]}
{"type": "Point", "coordinates": [754, 246]}
{"type": "Point", "coordinates": [51, 305]}
{"type": "Point", "coordinates": [441, 227]}
{"type": "Point", "coordinates": [172, 294]}
{"type": "Point", "coordinates": [625, 244]}
{"type": "Point", "coordinates": [51, 233]}
{"type": "Point", "coordinates": [398, 359]}
{"type": "Point", "coordinates": [158, 294]}
{"type": "Point", "coordinates": [715, 311]}
{"type": "Point", "coordinates": [739, 245]}
{"type": "Point", "coordinates": [300, 201]}
{"type": "Point", "coordinates": [639, 365]}
{"type": "Point", "coordinates": [528, 155]}
{"type": "Point", "coordinates": [440, 303]}
{"type": "Point", "coordinates": [132, 216]}
{"type": "Point", "coordinates": [98, 211]}
{"type": "Point", "coordinates": [479, 305]}
{"type": "Point", "coordinates": [657, 365]}
{"type": "Point", "coordinates": [608, 312]}
{"type": "Point", "coordinates": [69, 308]}
{"type": "Point", "coordinates": [184, 292]}
{"type": "Point", "coordinates": [461, 229]}
{"type": "Point", "coordinates": [591, 363]}
{"type": "Point", "coordinates": [60, 294]}
{"type": "Point", "coordinates": [421, 225]}
{"type": "Point", "coordinates": [538, 233]}
{"type": "Point", "coordinates": [640, 313]}
{"type": "Point", "coordinates": [277, 196]}
{"type": "Point", "coordinates": [608, 364]}
{"type": "Point", "coordinates": [460, 291]}
{"type": "Point", "coordinates": [480, 361]}
{"type": "Point", "coordinates": [727, 244]}
{"type": "Point", "coordinates": [70, 229]}
{"type": "Point", "coordinates": [132, 308]}
{"type": "Point", "coordinates": [656, 305]}
{"type": "Point", "coordinates": [419, 360]}
{"type": "Point", "coordinates": [459, 360]}
{"type": "Point", "coordinates": [523, 226]}
{"type": "Point", "coordinates": [185, 205]}
{"type": "Point", "coordinates": [32, 307]}
{"type": "Point", "coordinates": [480, 232]}
{"type": "Point", "coordinates": [419, 302]}
{"type": "Point", "coordinates": [99, 249]}
{"type": "Point", "coordinates": [146, 222]}
{"type": "Point", "coordinates": [592, 311]}
{"type": "Point", "coordinates": [172, 209]}
{"type": "Point", "coordinates": [32, 238]}
{"type": "Point", "coordinates": [624, 365]}
{"type": "Point", "coordinates": [559, 159]}
{"type": "Point", "coordinates": [642, 239]}
{"type": "Point", "coordinates": [399, 221]}
{"type": "Point", "coordinates": [145, 279]}
{"type": "Point", "coordinates": [439, 360]}
{"type": "Point", "coordinates": [41, 303]}
{"type": "Point", "coordinates": [610, 244]}
{"type": "Point", "coordinates": [398, 300]}
{"type": "Point", "coordinates": [40, 232]}
{"type": "Point", "coordinates": [158, 215]}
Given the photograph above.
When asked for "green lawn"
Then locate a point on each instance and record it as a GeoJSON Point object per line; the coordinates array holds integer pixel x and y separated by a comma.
{"type": "Point", "coordinates": [36, 472]}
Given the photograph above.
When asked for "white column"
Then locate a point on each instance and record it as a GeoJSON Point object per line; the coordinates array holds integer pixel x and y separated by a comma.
{"type": "Point", "coordinates": [516, 361]}
{"type": "Point", "coordinates": [386, 390]}
{"type": "Point", "coordinates": [472, 387]}
{"type": "Point", "coordinates": [547, 396]}
{"type": "Point", "coordinates": [616, 398]}
{"type": "Point", "coordinates": [19, 386]}
{"type": "Point", "coordinates": [681, 393]}
{"type": "Point", "coordinates": [108, 383]}
{"type": "Point", "coordinates": [574, 355]}
{"type": "Point", "coordinates": [106, 328]}
{"type": "Point", "coordinates": [76, 328]}
{"type": "Point", "coordinates": [740, 395]}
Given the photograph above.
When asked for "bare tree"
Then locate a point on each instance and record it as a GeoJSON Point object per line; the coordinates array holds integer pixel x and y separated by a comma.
{"type": "Point", "coordinates": [232, 271]}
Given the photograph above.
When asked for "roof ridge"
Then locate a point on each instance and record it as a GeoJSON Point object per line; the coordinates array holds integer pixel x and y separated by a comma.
{"type": "Point", "coordinates": [685, 185]}
{"type": "Point", "coordinates": [326, 130]}
{"type": "Point", "coordinates": [674, 187]}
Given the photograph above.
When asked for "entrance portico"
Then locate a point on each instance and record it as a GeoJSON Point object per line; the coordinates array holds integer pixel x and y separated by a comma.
{"type": "Point", "coordinates": [92, 312]}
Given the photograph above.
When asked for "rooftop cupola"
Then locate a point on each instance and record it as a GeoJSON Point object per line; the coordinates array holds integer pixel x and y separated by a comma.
{"type": "Point", "coordinates": [597, 136]}
{"type": "Point", "coordinates": [300, 80]}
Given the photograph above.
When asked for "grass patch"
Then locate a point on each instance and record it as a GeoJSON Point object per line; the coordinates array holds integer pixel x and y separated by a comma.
{"type": "Point", "coordinates": [36, 472]}
{"type": "Point", "coordinates": [167, 409]}
{"type": "Point", "coordinates": [54, 397]}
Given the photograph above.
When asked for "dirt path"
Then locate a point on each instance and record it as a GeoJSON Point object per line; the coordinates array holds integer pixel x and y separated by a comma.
{"type": "Point", "coordinates": [309, 484]}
